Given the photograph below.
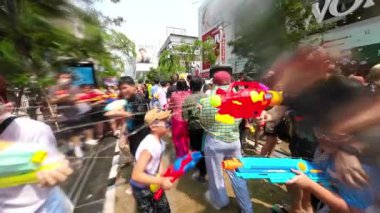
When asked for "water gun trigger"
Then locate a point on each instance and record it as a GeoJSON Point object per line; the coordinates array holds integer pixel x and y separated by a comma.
{"type": "Point", "coordinates": [226, 119]}
{"type": "Point", "coordinates": [39, 157]}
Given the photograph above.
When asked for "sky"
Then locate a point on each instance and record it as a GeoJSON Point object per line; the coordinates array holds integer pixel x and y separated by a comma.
{"type": "Point", "coordinates": [146, 20]}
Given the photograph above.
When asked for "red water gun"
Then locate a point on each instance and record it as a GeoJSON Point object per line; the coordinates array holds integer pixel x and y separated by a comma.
{"type": "Point", "coordinates": [243, 100]}
{"type": "Point", "coordinates": [175, 171]}
{"type": "Point", "coordinates": [92, 97]}
{"type": "Point", "coordinates": [61, 92]}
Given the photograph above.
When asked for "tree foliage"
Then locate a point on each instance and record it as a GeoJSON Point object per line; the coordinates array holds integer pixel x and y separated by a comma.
{"type": "Point", "coordinates": [183, 59]}
{"type": "Point", "coordinates": [35, 35]}
{"type": "Point", "coordinates": [268, 28]}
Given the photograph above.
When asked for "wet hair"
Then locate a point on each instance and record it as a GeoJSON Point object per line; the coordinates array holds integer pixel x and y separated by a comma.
{"type": "Point", "coordinates": [163, 83]}
{"type": "Point", "coordinates": [181, 85]}
{"type": "Point", "coordinates": [65, 72]}
{"type": "Point", "coordinates": [247, 79]}
{"type": "Point", "coordinates": [3, 88]}
{"type": "Point", "coordinates": [175, 78]}
{"type": "Point", "coordinates": [126, 80]}
{"type": "Point", "coordinates": [196, 84]}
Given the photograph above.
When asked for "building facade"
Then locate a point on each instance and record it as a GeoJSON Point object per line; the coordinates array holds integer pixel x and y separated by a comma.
{"type": "Point", "coordinates": [356, 37]}
{"type": "Point", "coordinates": [216, 21]}
{"type": "Point", "coordinates": [174, 40]}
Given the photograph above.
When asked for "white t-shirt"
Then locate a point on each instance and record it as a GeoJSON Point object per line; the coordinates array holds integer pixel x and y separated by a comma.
{"type": "Point", "coordinates": [155, 147]}
{"type": "Point", "coordinates": [162, 97]}
{"type": "Point", "coordinates": [30, 197]}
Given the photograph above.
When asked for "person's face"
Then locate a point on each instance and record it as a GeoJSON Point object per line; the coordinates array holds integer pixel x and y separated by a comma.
{"type": "Point", "coordinates": [86, 89]}
{"type": "Point", "coordinates": [160, 127]}
{"type": "Point", "coordinates": [142, 53]}
{"type": "Point", "coordinates": [5, 107]}
{"type": "Point", "coordinates": [127, 91]}
{"type": "Point", "coordinates": [64, 79]}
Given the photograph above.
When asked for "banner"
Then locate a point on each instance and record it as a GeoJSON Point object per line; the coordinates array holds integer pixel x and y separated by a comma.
{"type": "Point", "coordinates": [215, 34]}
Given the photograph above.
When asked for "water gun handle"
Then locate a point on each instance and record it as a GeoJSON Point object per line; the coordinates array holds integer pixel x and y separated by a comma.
{"type": "Point", "coordinates": [158, 194]}
{"type": "Point", "coordinates": [28, 178]}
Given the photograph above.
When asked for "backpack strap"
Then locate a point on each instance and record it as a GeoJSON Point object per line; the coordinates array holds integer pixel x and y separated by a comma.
{"type": "Point", "coordinates": [6, 123]}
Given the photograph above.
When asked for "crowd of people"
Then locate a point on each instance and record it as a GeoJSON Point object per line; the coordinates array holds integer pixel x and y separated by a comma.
{"type": "Point", "coordinates": [327, 116]}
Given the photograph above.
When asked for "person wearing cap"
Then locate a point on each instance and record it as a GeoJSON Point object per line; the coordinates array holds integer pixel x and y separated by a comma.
{"type": "Point", "coordinates": [221, 142]}
{"type": "Point", "coordinates": [149, 165]}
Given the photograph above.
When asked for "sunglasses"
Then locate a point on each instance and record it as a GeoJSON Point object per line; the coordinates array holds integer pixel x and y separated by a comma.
{"type": "Point", "coordinates": [166, 125]}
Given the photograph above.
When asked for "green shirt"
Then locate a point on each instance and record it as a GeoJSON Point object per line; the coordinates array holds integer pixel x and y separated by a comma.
{"type": "Point", "coordinates": [220, 131]}
{"type": "Point", "coordinates": [190, 111]}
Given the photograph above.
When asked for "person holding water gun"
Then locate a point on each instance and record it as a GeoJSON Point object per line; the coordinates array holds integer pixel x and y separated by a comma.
{"type": "Point", "coordinates": [149, 165]}
{"type": "Point", "coordinates": [45, 195]}
{"type": "Point", "coordinates": [221, 142]}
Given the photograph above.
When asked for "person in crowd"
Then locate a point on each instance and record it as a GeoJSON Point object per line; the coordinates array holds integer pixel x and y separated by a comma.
{"type": "Point", "coordinates": [173, 86]}
{"type": "Point", "coordinates": [373, 79]}
{"type": "Point", "coordinates": [335, 93]}
{"type": "Point", "coordinates": [115, 124]}
{"type": "Point", "coordinates": [246, 125]}
{"type": "Point", "coordinates": [149, 164]}
{"type": "Point", "coordinates": [155, 102]}
{"type": "Point", "coordinates": [180, 132]}
{"type": "Point", "coordinates": [165, 86]}
{"type": "Point", "coordinates": [188, 79]}
{"type": "Point", "coordinates": [134, 113]}
{"type": "Point", "coordinates": [45, 196]}
{"type": "Point", "coordinates": [140, 89]}
{"type": "Point", "coordinates": [208, 87]}
{"type": "Point", "coordinates": [161, 95]}
{"type": "Point", "coordinates": [221, 142]}
{"type": "Point", "coordinates": [190, 113]}
{"type": "Point", "coordinates": [94, 98]}
{"type": "Point", "coordinates": [70, 114]}
{"type": "Point", "coordinates": [270, 133]}
{"type": "Point", "coordinates": [270, 127]}
{"type": "Point", "coordinates": [148, 87]}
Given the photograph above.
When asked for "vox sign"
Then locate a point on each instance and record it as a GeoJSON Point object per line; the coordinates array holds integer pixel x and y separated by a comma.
{"type": "Point", "coordinates": [332, 7]}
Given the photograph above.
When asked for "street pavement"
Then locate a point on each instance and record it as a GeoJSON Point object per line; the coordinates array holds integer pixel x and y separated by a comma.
{"type": "Point", "coordinates": [187, 195]}
{"type": "Point", "coordinates": [87, 187]}
{"type": "Point", "coordinates": [91, 189]}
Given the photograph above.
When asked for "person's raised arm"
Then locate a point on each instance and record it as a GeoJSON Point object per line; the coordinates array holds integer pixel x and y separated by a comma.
{"type": "Point", "coordinates": [329, 198]}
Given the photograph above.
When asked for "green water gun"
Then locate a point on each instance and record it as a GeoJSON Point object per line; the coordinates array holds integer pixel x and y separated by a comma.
{"type": "Point", "coordinates": [20, 163]}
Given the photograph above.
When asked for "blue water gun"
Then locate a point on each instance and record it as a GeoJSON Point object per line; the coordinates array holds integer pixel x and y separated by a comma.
{"type": "Point", "coordinates": [275, 170]}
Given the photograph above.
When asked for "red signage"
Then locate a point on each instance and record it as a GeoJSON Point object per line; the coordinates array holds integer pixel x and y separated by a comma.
{"type": "Point", "coordinates": [223, 45]}
{"type": "Point", "coordinates": [205, 74]}
{"type": "Point", "coordinates": [213, 34]}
